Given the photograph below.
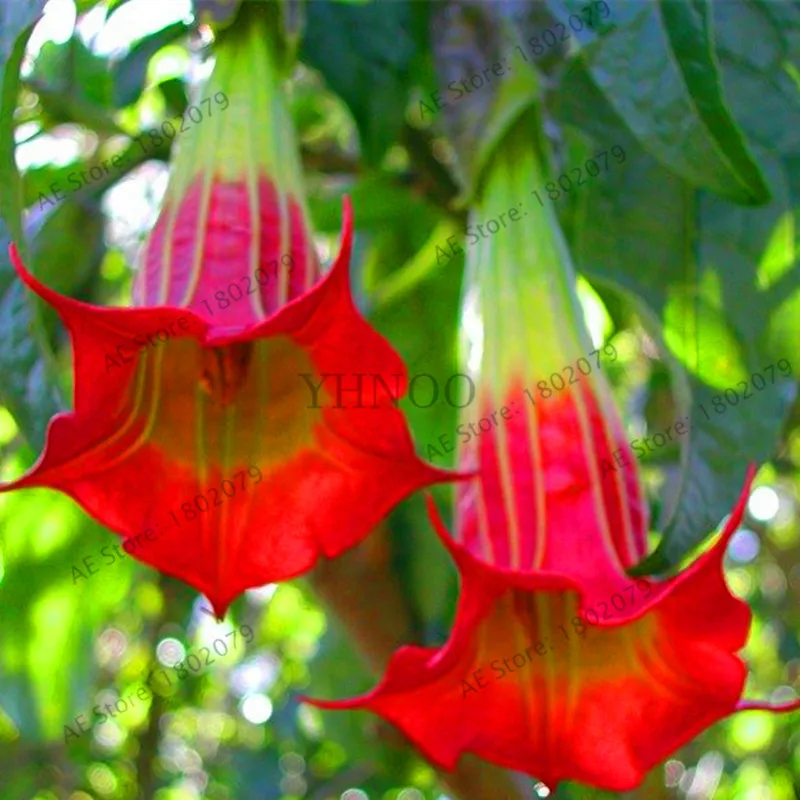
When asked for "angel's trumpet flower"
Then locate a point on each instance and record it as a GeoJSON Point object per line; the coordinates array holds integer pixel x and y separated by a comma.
{"type": "Point", "coordinates": [192, 431]}
{"type": "Point", "coordinates": [559, 664]}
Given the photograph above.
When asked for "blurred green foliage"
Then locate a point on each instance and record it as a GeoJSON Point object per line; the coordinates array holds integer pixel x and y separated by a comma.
{"type": "Point", "coordinates": [691, 251]}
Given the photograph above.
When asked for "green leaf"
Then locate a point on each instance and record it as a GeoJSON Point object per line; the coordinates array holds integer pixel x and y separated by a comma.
{"type": "Point", "coordinates": [578, 29]}
{"type": "Point", "coordinates": [785, 17]}
{"type": "Point", "coordinates": [14, 19]}
{"type": "Point", "coordinates": [53, 234]}
{"type": "Point", "coordinates": [71, 75]}
{"type": "Point", "coordinates": [364, 53]}
{"type": "Point", "coordinates": [759, 50]}
{"type": "Point", "coordinates": [128, 75]}
{"type": "Point", "coordinates": [28, 389]}
{"type": "Point", "coordinates": [694, 266]}
{"type": "Point", "coordinates": [753, 327]}
{"type": "Point", "coordinates": [428, 347]}
{"type": "Point", "coordinates": [420, 266]}
{"type": "Point", "coordinates": [85, 5]}
{"type": "Point", "coordinates": [659, 71]}
{"type": "Point", "coordinates": [376, 198]}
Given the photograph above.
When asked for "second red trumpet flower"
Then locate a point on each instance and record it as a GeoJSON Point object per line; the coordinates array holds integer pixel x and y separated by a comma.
{"type": "Point", "coordinates": [559, 664]}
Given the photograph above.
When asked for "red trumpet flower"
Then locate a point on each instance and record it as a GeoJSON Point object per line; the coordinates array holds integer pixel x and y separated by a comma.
{"type": "Point", "coordinates": [535, 679]}
{"type": "Point", "coordinates": [559, 665]}
{"type": "Point", "coordinates": [192, 423]}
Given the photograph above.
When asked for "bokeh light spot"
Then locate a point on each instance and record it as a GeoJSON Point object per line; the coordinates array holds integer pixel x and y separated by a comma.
{"type": "Point", "coordinates": [744, 546]}
{"type": "Point", "coordinates": [170, 651]}
{"type": "Point", "coordinates": [256, 708]}
{"type": "Point", "coordinates": [753, 731]}
{"type": "Point", "coordinates": [763, 504]}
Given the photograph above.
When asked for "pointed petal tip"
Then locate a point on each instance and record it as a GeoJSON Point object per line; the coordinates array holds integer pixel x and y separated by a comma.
{"type": "Point", "coordinates": [217, 616]}
{"type": "Point", "coordinates": [765, 705]}
{"type": "Point", "coordinates": [347, 224]}
{"type": "Point", "coordinates": [58, 301]}
{"type": "Point", "coordinates": [459, 555]}
{"type": "Point", "coordinates": [332, 705]}
{"type": "Point", "coordinates": [347, 211]}
{"type": "Point", "coordinates": [218, 610]}
{"type": "Point", "coordinates": [735, 519]}
{"type": "Point", "coordinates": [339, 273]}
{"type": "Point", "coordinates": [437, 475]}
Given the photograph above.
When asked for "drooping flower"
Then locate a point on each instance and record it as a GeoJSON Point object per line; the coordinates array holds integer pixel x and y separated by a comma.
{"type": "Point", "coordinates": [559, 664]}
{"type": "Point", "coordinates": [192, 424]}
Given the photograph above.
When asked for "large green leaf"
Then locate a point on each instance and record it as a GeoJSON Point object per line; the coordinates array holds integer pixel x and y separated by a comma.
{"type": "Point", "coordinates": [364, 52]}
{"type": "Point", "coordinates": [659, 70]}
{"type": "Point", "coordinates": [694, 265]}
{"type": "Point", "coordinates": [72, 68]}
{"type": "Point", "coordinates": [755, 252]}
{"type": "Point", "coordinates": [751, 328]}
{"type": "Point", "coordinates": [73, 84]}
{"type": "Point", "coordinates": [761, 82]}
{"type": "Point", "coordinates": [28, 388]}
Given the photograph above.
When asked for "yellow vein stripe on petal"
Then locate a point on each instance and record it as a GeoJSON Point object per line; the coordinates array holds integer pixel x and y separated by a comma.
{"type": "Point", "coordinates": [152, 413]}
{"type": "Point", "coordinates": [85, 460]}
{"type": "Point", "coordinates": [591, 460]}
{"type": "Point", "coordinates": [609, 444]}
{"type": "Point", "coordinates": [202, 459]}
{"type": "Point", "coordinates": [524, 676]}
{"type": "Point", "coordinates": [251, 182]}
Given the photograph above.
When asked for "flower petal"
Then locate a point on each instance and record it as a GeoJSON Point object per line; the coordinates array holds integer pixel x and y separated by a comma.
{"type": "Point", "coordinates": [525, 684]}
{"type": "Point", "coordinates": [545, 501]}
{"type": "Point", "coordinates": [172, 441]}
{"type": "Point", "coordinates": [232, 254]}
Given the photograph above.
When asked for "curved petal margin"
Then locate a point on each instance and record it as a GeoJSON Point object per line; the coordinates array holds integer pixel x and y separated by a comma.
{"type": "Point", "coordinates": [205, 447]}
{"type": "Point", "coordinates": [526, 683]}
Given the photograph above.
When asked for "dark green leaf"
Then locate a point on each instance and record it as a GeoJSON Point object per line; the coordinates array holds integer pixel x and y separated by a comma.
{"type": "Point", "coordinates": [175, 96]}
{"type": "Point", "coordinates": [53, 235]}
{"type": "Point", "coordinates": [667, 246]}
{"type": "Point", "coordinates": [364, 52]}
{"type": "Point", "coordinates": [756, 53]}
{"type": "Point", "coordinates": [785, 17]}
{"type": "Point", "coordinates": [128, 75]}
{"type": "Point", "coordinates": [217, 13]}
{"type": "Point", "coordinates": [689, 26]}
{"type": "Point", "coordinates": [584, 20]}
{"type": "Point", "coordinates": [757, 314]}
{"type": "Point", "coordinates": [659, 71]}
{"type": "Point", "coordinates": [28, 389]}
